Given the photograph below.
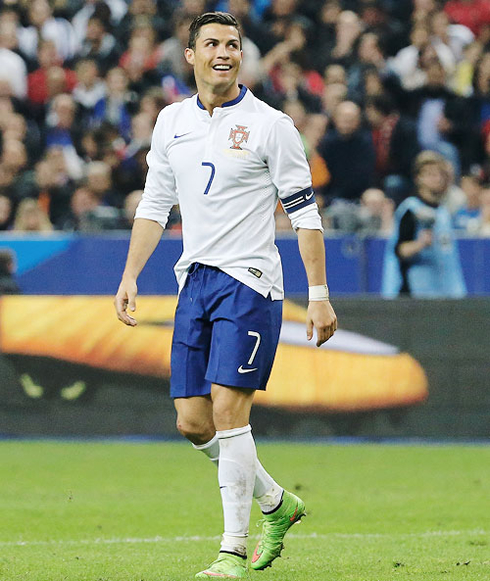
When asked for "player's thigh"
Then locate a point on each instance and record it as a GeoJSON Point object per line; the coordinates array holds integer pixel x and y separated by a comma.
{"type": "Point", "coordinates": [195, 418]}
{"type": "Point", "coordinates": [231, 406]}
{"type": "Point", "coordinates": [244, 339]}
{"type": "Point", "coordinates": [190, 343]}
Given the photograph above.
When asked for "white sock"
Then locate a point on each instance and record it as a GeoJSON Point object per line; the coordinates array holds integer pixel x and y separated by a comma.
{"type": "Point", "coordinates": [266, 490]}
{"type": "Point", "coordinates": [236, 477]}
{"type": "Point", "coordinates": [211, 449]}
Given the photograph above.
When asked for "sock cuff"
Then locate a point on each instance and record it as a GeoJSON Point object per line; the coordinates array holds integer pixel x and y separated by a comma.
{"type": "Point", "coordinates": [207, 445]}
{"type": "Point", "coordinates": [224, 434]}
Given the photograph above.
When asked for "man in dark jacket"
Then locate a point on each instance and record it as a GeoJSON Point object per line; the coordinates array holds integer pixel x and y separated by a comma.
{"type": "Point", "coordinates": [349, 154]}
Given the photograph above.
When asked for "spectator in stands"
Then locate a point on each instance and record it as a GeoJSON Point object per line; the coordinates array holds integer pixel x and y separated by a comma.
{"type": "Point", "coordinates": [8, 285]}
{"type": "Point", "coordinates": [371, 216]}
{"type": "Point", "coordinates": [99, 181]}
{"type": "Point", "coordinates": [115, 106]}
{"type": "Point", "coordinates": [410, 63]}
{"type": "Point", "coordinates": [6, 212]}
{"type": "Point", "coordinates": [12, 67]}
{"type": "Point", "coordinates": [467, 218]}
{"type": "Point", "coordinates": [335, 74]}
{"type": "Point", "coordinates": [333, 95]}
{"type": "Point", "coordinates": [396, 146]}
{"type": "Point", "coordinates": [62, 130]}
{"type": "Point", "coordinates": [152, 102]}
{"type": "Point", "coordinates": [42, 25]}
{"type": "Point", "coordinates": [376, 213]}
{"type": "Point", "coordinates": [455, 36]}
{"type": "Point", "coordinates": [369, 57]}
{"type": "Point", "coordinates": [465, 69]}
{"type": "Point", "coordinates": [30, 217]}
{"type": "Point", "coordinates": [323, 41]}
{"type": "Point", "coordinates": [349, 154]}
{"type": "Point", "coordinates": [15, 126]}
{"type": "Point", "coordinates": [12, 163]}
{"type": "Point", "coordinates": [172, 60]}
{"type": "Point", "coordinates": [422, 258]}
{"type": "Point", "coordinates": [49, 184]}
{"type": "Point", "coordinates": [141, 132]}
{"type": "Point", "coordinates": [471, 13]}
{"type": "Point", "coordinates": [110, 11]}
{"type": "Point", "coordinates": [141, 59]}
{"type": "Point", "coordinates": [49, 79]}
{"type": "Point", "coordinates": [100, 45]}
{"type": "Point", "coordinates": [82, 202]}
{"type": "Point", "coordinates": [289, 81]}
{"type": "Point", "coordinates": [439, 114]}
{"type": "Point", "coordinates": [143, 12]}
{"type": "Point", "coordinates": [90, 88]}
{"type": "Point", "coordinates": [347, 32]}
{"type": "Point", "coordinates": [14, 156]}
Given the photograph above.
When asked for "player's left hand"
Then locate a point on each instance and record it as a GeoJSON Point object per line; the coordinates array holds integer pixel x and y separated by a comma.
{"type": "Point", "coordinates": [322, 317]}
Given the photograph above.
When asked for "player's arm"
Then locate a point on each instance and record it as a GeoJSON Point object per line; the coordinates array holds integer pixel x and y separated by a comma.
{"type": "Point", "coordinates": [290, 174]}
{"type": "Point", "coordinates": [150, 220]}
{"type": "Point", "coordinates": [320, 315]}
{"type": "Point", "coordinates": [144, 239]}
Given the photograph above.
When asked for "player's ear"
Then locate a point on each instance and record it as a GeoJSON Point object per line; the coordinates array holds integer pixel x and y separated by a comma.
{"type": "Point", "coordinates": [189, 55]}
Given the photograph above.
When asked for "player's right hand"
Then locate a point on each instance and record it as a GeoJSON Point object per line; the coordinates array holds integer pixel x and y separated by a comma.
{"type": "Point", "coordinates": [126, 297]}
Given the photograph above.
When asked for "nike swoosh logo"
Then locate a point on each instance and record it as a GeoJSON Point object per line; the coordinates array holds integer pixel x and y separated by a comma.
{"type": "Point", "coordinates": [181, 135]}
{"type": "Point", "coordinates": [241, 370]}
{"type": "Point", "coordinates": [293, 518]}
{"type": "Point", "coordinates": [309, 196]}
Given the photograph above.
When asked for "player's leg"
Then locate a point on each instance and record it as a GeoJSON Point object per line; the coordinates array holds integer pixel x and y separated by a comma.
{"type": "Point", "coordinates": [195, 419]}
{"type": "Point", "coordinates": [236, 477]}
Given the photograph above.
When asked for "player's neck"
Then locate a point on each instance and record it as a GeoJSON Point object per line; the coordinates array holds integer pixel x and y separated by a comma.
{"type": "Point", "coordinates": [212, 97]}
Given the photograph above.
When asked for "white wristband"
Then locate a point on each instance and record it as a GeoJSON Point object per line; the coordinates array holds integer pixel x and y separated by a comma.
{"type": "Point", "coordinates": [318, 293]}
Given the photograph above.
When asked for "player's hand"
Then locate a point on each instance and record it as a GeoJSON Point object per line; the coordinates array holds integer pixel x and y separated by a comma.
{"type": "Point", "coordinates": [124, 299]}
{"type": "Point", "coordinates": [322, 317]}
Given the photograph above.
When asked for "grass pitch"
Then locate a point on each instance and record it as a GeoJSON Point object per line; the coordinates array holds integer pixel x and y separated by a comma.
{"type": "Point", "coordinates": [151, 512]}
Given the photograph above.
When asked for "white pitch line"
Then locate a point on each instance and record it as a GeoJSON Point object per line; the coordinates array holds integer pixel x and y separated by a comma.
{"type": "Point", "coordinates": [194, 539]}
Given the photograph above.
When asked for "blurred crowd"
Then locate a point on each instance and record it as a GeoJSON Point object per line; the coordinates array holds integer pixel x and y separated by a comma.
{"type": "Point", "coordinates": [370, 84]}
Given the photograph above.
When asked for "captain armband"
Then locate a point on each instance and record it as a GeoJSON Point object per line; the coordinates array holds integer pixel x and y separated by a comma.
{"type": "Point", "coordinates": [318, 292]}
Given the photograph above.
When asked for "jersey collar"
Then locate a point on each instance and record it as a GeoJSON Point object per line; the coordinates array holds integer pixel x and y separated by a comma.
{"type": "Point", "coordinates": [243, 90]}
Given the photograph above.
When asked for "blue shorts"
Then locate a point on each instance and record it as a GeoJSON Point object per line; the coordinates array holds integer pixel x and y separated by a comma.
{"type": "Point", "coordinates": [224, 332]}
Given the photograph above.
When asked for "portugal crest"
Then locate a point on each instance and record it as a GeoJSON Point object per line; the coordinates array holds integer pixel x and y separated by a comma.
{"type": "Point", "coordinates": [238, 136]}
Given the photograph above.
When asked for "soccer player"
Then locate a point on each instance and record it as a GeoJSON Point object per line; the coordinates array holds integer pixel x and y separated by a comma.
{"type": "Point", "coordinates": [227, 158]}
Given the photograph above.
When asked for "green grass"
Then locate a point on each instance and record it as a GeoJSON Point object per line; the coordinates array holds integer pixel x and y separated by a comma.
{"type": "Point", "coordinates": [127, 512]}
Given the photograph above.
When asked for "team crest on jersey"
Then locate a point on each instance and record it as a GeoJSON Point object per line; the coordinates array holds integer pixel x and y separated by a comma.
{"type": "Point", "coordinates": [238, 136]}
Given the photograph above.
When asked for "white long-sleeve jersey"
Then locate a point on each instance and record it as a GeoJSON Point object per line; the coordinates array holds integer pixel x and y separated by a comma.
{"type": "Point", "coordinates": [227, 172]}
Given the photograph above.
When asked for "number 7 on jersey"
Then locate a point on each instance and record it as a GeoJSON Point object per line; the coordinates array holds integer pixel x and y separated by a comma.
{"type": "Point", "coordinates": [213, 171]}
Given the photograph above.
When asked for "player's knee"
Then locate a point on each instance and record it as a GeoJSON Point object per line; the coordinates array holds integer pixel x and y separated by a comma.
{"type": "Point", "coordinates": [198, 432]}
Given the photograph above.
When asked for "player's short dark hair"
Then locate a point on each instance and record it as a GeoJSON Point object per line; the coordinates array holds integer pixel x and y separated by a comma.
{"type": "Point", "coordinates": [211, 18]}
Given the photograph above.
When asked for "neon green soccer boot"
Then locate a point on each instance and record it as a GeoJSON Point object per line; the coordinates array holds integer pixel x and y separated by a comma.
{"type": "Point", "coordinates": [275, 527]}
{"type": "Point", "coordinates": [226, 566]}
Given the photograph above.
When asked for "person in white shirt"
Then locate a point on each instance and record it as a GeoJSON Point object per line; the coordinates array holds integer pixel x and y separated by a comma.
{"type": "Point", "coordinates": [42, 24]}
{"type": "Point", "coordinates": [13, 69]}
{"type": "Point", "coordinates": [227, 158]}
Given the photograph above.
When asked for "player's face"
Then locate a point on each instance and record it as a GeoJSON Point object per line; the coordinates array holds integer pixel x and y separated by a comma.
{"type": "Point", "coordinates": [217, 56]}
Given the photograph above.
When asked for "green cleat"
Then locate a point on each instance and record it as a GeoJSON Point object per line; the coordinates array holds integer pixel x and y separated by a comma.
{"type": "Point", "coordinates": [275, 527]}
{"type": "Point", "coordinates": [226, 566]}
